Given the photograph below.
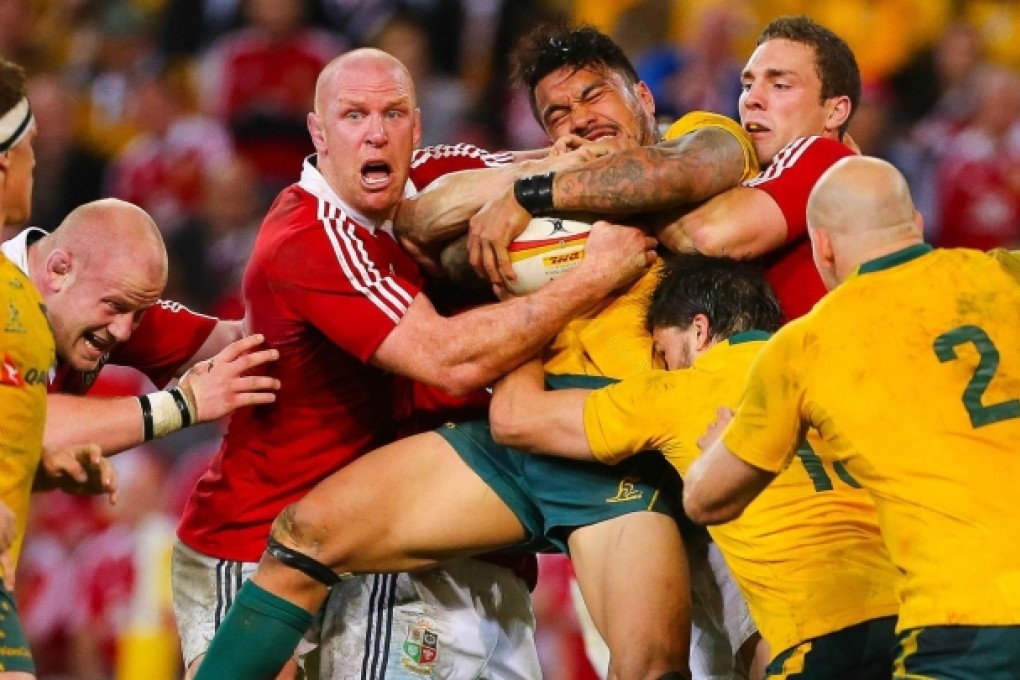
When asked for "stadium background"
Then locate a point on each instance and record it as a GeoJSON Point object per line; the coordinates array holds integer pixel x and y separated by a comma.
{"type": "Point", "coordinates": [195, 109]}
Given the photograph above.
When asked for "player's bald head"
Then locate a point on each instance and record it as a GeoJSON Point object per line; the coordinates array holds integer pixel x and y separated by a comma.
{"type": "Point", "coordinates": [860, 193]}
{"type": "Point", "coordinates": [366, 62]}
{"type": "Point", "coordinates": [113, 231]}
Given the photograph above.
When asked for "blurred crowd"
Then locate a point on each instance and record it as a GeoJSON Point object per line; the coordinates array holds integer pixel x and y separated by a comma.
{"type": "Point", "coordinates": [195, 110]}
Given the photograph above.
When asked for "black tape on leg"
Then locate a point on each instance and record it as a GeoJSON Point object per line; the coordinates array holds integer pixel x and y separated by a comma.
{"type": "Point", "coordinates": [303, 563]}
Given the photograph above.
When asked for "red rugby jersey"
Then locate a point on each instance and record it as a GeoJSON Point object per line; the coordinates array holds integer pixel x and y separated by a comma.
{"type": "Point", "coordinates": [789, 180]}
{"type": "Point", "coordinates": [325, 287]}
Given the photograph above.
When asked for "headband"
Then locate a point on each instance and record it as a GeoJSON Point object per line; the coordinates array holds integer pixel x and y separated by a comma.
{"type": "Point", "coordinates": [14, 124]}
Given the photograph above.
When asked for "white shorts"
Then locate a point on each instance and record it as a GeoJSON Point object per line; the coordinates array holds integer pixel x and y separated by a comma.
{"type": "Point", "coordinates": [720, 620]}
{"type": "Point", "coordinates": [469, 619]}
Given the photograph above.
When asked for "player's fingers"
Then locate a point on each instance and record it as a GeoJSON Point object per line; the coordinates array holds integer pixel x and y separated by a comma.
{"type": "Point", "coordinates": [256, 398]}
{"type": "Point", "coordinates": [491, 264]}
{"type": "Point", "coordinates": [253, 359]}
{"type": "Point", "coordinates": [240, 347]}
{"type": "Point", "coordinates": [258, 383]}
{"type": "Point", "coordinates": [7, 563]}
{"type": "Point", "coordinates": [505, 267]}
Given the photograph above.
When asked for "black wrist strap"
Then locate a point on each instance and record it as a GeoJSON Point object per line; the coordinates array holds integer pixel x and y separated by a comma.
{"type": "Point", "coordinates": [182, 405]}
{"type": "Point", "coordinates": [535, 193]}
{"type": "Point", "coordinates": [146, 417]}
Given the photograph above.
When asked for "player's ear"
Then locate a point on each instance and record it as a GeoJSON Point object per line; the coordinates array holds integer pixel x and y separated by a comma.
{"type": "Point", "coordinates": [839, 113]}
{"type": "Point", "coordinates": [58, 270]}
{"type": "Point", "coordinates": [417, 127]}
{"type": "Point", "coordinates": [702, 331]}
{"type": "Point", "coordinates": [315, 131]}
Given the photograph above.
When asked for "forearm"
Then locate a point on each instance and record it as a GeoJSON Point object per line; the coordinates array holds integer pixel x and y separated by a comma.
{"type": "Point", "coordinates": [441, 212]}
{"type": "Point", "coordinates": [116, 424]}
{"type": "Point", "coordinates": [687, 170]}
{"type": "Point", "coordinates": [526, 416]}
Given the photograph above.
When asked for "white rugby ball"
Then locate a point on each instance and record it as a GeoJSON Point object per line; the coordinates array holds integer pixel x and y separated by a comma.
{"type": "Point", "coordinates": [547, 248]}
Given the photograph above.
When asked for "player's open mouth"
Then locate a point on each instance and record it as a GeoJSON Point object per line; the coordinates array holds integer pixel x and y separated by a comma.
{"type": "Point", "coordinates": [755, 127]}
{"type": "Point", "coordinates": [97, 344]}
{"type": "Point", "coordinates": [375, 174]}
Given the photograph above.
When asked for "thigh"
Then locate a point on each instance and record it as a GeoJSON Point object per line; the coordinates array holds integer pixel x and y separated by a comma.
{"type": "Point", "coordinates": [465, 620]}
{"type": "Point", "coordinates": [15, 656]}
{"type": "Point", "coordinates": [632, 572]}
{"type": "Point", "coordinates": [407, 505]}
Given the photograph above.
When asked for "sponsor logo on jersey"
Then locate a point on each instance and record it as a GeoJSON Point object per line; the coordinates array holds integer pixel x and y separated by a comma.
{"type": "Point", "coordinates": [13, 324]}
{"type": "Point", "coordinates": [420, 649]}
{"type": "Point", "coordinates": [626, 491]}
{"type": "Point", "coordinates": [9, 373]}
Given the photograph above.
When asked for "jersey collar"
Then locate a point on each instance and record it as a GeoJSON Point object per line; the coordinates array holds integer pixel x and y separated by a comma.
{"type": "Point", "coordinates": [314, 183]}
{"type": "Point", "coordinates": [16, 249]}
{"type": "Point", "coordinates": [896, 258]}
{"type": "Point", "coordinates": [749, 336]}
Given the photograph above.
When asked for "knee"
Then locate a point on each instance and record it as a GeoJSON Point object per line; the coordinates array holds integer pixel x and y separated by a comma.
{"type": "Point", "coordinates": [303, 527]}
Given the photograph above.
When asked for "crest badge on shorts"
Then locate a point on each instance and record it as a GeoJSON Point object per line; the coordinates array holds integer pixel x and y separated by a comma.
{"type": "Point", "coordinates": [421, 649]}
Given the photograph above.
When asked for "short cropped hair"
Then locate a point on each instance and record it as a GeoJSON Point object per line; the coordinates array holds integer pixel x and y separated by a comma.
{"type": "Point", "coordinates": [733, 294]}
{"type": "Point", "coordinates": [12, 85]}
{"type": "Point", "coordinates": [555, 45]}
{"type": "Point", "coordinates": [835, 61]}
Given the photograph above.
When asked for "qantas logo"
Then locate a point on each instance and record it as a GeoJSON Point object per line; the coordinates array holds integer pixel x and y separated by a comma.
{"type": "Point", "coordinates": [12, 376]}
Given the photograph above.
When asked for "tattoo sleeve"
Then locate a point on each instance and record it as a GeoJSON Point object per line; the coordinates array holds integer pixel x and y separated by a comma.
{"type": "Point", "coordinates": [685, 170]}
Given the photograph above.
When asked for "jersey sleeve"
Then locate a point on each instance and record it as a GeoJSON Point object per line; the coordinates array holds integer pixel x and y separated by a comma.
{"type": "Point", "coordinates": [432, 162]}
{"type": "Point", "coordinates": [766, 428]}
{"type": "Point", "coordinates": [348, 290]}
{"type": "Point", "coordinates": [793, 173]}
{"type": "Point", "coordinates": [630, 416]}
{"type": "Point", "coordinates": [168, 336]}
{"type": "Point", "coordinates": [697, 120]}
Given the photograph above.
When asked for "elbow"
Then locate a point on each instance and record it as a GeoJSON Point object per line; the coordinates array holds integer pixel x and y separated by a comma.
{"type": "Point", "coordinates": [704, 511]}
{"type": "Point", "coordinates": [707, 240]}
{"type": "Point", "coordinates": [506, 428]}
{"type": "Point", "coordinates": [460, 381]}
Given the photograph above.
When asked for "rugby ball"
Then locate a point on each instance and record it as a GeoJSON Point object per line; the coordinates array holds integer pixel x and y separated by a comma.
{"type": "Point", "coordinates": [547, 248]}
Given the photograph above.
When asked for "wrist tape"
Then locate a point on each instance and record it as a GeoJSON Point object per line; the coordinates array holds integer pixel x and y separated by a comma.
{"type": "Point", "coordinates": [166, 411]}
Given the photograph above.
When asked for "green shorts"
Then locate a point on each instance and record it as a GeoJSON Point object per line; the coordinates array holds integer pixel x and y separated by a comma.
{"type": "Point", "coordinates": [959, 653]}
{"type": "Point", "coordinates": [14, 652]}
{"type": "Point", "coordinates": [865, 651]}
{"type": "Point", "coordinates": [553, 496]}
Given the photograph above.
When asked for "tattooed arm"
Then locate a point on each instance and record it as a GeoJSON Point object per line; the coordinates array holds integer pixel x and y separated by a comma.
{"type": "Point", "coordinates": [670, 175]}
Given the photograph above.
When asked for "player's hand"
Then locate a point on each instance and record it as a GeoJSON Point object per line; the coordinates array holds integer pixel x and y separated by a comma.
{"type": "Point", "coordinates": [492, 229]}
{"type": "Point", "coordinates": [220, 385]}
{"type": "Point", "coordinates": [723, 416]}
{"type": "Point", "coordinates": [78, 469]}
{"type": "Point", "coordinates": [615, 255]}
{"type": "Point", "coordinates": [8, 531]}
{"type": "Point", "coordinates": [585, 150]}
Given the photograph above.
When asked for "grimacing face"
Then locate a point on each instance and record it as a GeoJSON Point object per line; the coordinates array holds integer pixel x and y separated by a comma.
{"type": "Point", "coordinates": [98, 307]}
{"type": "Point", "coordinates": [594, 104]}
{"type": "Point", "coordinates": [781, 96]}
{"type": "Point", "coordinates": [365, 134]}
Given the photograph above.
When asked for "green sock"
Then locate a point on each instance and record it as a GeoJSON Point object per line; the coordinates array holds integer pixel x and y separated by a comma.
{"type": "Point", "coordinates": [256, 638]}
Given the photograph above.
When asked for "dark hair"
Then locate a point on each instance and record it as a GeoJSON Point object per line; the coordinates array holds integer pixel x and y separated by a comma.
{"type": "Point", "coordinates": [555, 45]}
{"type": "Point", "coordinates": [734, 295]}
{"type": "Point", "coordinates": [12, 85]}
{"type": "Point", "coordinates": [834, 60]}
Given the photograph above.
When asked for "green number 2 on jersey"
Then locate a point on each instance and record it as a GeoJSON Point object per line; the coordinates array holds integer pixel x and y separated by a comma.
{"type": "Point", "coordinates": [945, 350]}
